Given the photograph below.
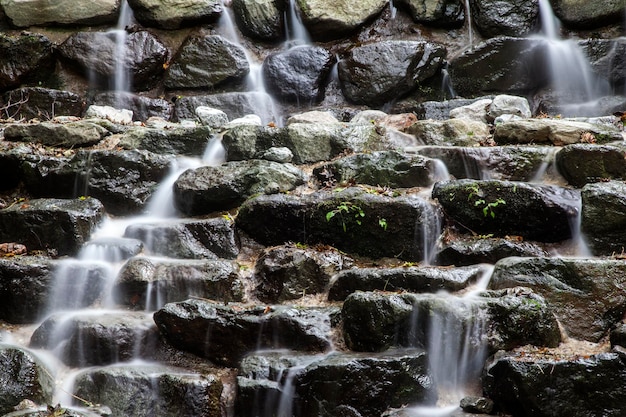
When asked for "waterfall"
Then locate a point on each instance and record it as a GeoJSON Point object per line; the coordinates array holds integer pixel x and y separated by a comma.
{"type": "Point", "coordinates": [297, 33]}
{"type": "Point", "coordinates": [468, 22]}
{"type": "Point", "coordinates": [570, 73]}
{"type": "Point", "coordinates": [122, 77]}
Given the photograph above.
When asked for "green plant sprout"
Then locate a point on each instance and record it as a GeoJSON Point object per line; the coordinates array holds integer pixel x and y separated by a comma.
{"type": "Point", "coordinates": [346, 208]}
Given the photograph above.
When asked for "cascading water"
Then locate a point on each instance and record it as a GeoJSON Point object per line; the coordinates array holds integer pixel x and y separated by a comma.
{"type": "Point", "coordinates": [296, 31]}
{"type": "Point", "coordinates": [468, 23]}
{"type": "Point", "coordinates": [122, 78]}
{"type": "Point", "coordinates": [570, 74]}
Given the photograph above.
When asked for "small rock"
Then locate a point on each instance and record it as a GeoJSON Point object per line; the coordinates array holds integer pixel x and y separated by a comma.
{"type": "Point", "coordinates": [480, 405]}
{"type": "Point", "coordinates": [211, 117]}
{"type": "Point", "coordinates": [120, 116]}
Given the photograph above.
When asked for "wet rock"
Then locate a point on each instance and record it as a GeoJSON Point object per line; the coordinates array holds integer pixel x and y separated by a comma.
{"type": "Point", "coordinates": [25, 57]}
{"type": "Point", "coordinates": [213, 118]}
{"type": "Point", "coordinates": [97, 339]}
{"type": "Point", "coordinates": [328, 20]}
{"type": "Point", "coordinates": [64, 12]}
{"type": "Point", "coordinates": [288, 273]}
{"type": "Point", "coordinates": [366, 384]}
{"type": "Point", "coordinates": [556, 132]}
{"type": "Point", "coordinates": [351, 220]}
{"type": "Point", "coordinates": [510, 18]}
{"type": "Point", "coordinates": [541, 387]}
{"type": "Point", "coordinates": [62, 225]}
{"type": "Point", "coordinates": [24, 278]}
{"type": "Point", "coordinates": [95, 53]}
{"type": "Point", "coordinates": [225, 333]}
{"type": "Point", "coordinates": [452, 132]}
{"type": "Point", "coordinates": [33, 410]}
{"type": "Point", "coordinates": [207, 62]}
{"type": "Point", "coordinates": [477, 111]}
{"type": "Point", "coordinates": [375, 321]}
{"type": "Point", "coordinates": [146, 283]}
{"type": "Point", "coordinates": [515, 163]}
{"type": "Point", "coordinates": [178, 140]}
{"type": "Point", "coordinates": [585, 294]}
{"type": "Point", "coordinates": [142, 107]}
{"type": "Point", "coordinates": [248, 141]}
{"type": "Point", "coordinates": [122, 180]}
{"type": "Point", "coordinates": [618, 335]}
{"type": "Point", "coordinates": [480, 405]}
{"type": "Point", "coordinates": [298, 74]}
{"type": "Point", "coordinates": [188, 239]}
{"type": "Point", "coordinates": [209, 189]}
{"type": "Point", "coordinates": [111, 114]}
{"type": "Point", "coordinates": [23, 376]}
{"type": "Point", "coordinates": [440, 110]}
{"type": "Point", "coordinates": [175, 14]}
{"type": "Point", "coordinates": [410, 278]}
{"type": "Point", "coordinates": [502, 64]}
{"type": "Point", "coordinates": [260, 19]}
{"type": "Point", "coordinates": [151, 390]}
{"type": "Point", "coordinates": [581, 14]}
{"type": "Point", "coordinates": [376, 73]}
{"type": "Point", "coordinates": [494, 207]}
{"type": "Point", "coordinates": [440, 13]}
{"type": "Point", "coordinates": [474, 250]}
{"type": "Point", "coordinates": [584, 163]}
{"type": "Point", "coordinates": [384, 168]}
{"type": "Point", "coordinates": [234, 104]}
{"type": "Point", "coordinates": [64, 135]}
{"type": "Point", "coordinates": [604, 216]}
{"type": "Point", "coordinates": [76, 284]}
{"type": "Point", "coordinates": [43, 103]}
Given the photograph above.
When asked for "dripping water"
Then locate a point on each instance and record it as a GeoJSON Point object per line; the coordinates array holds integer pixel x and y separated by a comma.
{"type": "Point", "coordinates": [468, 22]}
{"type": "Point", "coordinates": [296, 32]}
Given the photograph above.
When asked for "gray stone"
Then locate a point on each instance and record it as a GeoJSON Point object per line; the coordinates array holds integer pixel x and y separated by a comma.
{"type": "Point", "coordinates": [25, 13]}
{"type": "Point", "coordinates": [213, 118]}
{"type": "Point", "coordinates": [234, 104]}
{"type": "Point", "coordinates": [379, 72]}
{"type": "Point", "coordinates": [210, 189]}
{"type": "Point", "coordinates": [261, 19]}
{"type": "Point", "coordinates": [476, 111]}
{"type": "Point", "coordinates": [440, 13]}
{"type": "Point", "coordinates": [175, 14]}
{"type": "Point", "coordinates": [206, 62]}
{"type": "Point", "coordinates": [586, 295]}
{"type": "Point", "coordinates": [504, 17]}
{"type": "Point", "coordinates": [472, 250]}
{"type": "Point", "coordinates": [43, 103]}
{"type": "Point", "coordinates": [585, 14]}
{"type": "Point", "coordinates": [505, 104]}
{"type": "Point", "coordinates": [452, 132]}
{"type": "Point", "coordinates": [64, 135]}
{"type": "Point", "coordinates": [603, 219]}
{"type": "Point", "coordinates": [178, 140]}
{"type": "Point", "coordinates": [581, 164]}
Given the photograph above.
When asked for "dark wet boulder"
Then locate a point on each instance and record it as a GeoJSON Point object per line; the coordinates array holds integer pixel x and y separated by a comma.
{"type": "Point", "coordinates": [122, 180]}
{"type": "Point", "coordinates": [96, 53]}
{"type": "Point", "coordinates": [74, 134]}
{"type": "Point", "coordinates": [177, 140]}
{"type": "Point", "coordinates": [65, 12]}
{"type": "Point", "coordinates": [440, 110]}
{"type": "Point", "coordinates": [502, 64]}
{"type": "Point", "coordinates": [23, 375]}
{"type": "Point", "coordinates": [142, 107]}
{"type": "Point", "coordinates": [97, 339]}
{"type": "Point", "coordinates": [470, 250]}
{"type": "Point", "coordinates": [287, 272]}
{"type": "Point", "coordinates": [419, 279]}
{"type": "Point", "coordinates": [151, 390]}
{"type": "Point", "coordinates": [188, 239]}
{"type": "Point", "coordinates": [260, 19]}
{"type": "Point", "coordinates": [507, 208]}
{"type": "Point", "coordinates": [59, 224]}
{"type": "Point", "coordinates": [586, 295]}
{"type": "Point", "coordinates": [330, 20]}
{"type": "Point", "coordinates": [146, 283]}
{"type": "Point", "coordinates": [43, 103]}
{"type": "Point", "coordinates": [299, 74]}
{"type": "Point", "coordinates": [379, 72]}
{"type": "Point", "coordinates": [25, 57]}
{"type": "Point", "coordinates": [207, 62]}
{"type": "Point", "coordinates": [568, 386]}
{"type": "Point", "coordinates": [515, 163]}
{"type": "Point", "coordinates": [584, 163]}
{"type": "Point", "coordinates": [383, 168]}
{"type": "Point", "coordinates": [367, 384]}
{"type": "Point", "coordinates": [440, 13]}
{"type": "Point", "coordinates": [234, 104]}
{"type": "Point", "coordinates": [352, 220]}
{"type": "Point", "coordinates": [175, 14]}
{"type": "Point", "coordinates": [603, 219]}
{"type": "Point", "coordinates": [210, 189]}
{"type": "Point", "coordinates": [25, 278]}
{"type": "Point", "coordinates": [251, 141]}
{"type": "Point", "coordinates": [493, 320]}
{"type": "Point", "coordinates": [586, 15]}
{"type": "Point", "coordinates": [224, 333]}
{"type": "Point", "coordinates": [509, 18]}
